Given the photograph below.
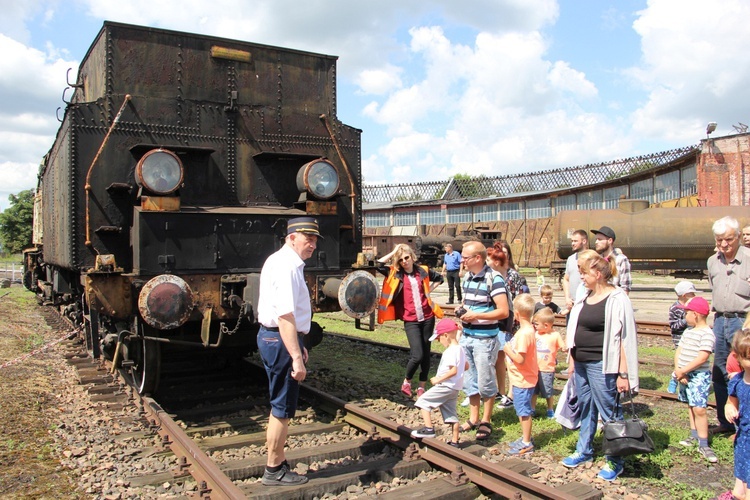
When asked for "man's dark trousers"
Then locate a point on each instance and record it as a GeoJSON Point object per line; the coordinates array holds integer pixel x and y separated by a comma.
{"type": "Point", "coordinates": [454, 282]}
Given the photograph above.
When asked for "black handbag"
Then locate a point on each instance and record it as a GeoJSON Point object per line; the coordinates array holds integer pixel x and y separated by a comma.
{"type": "Point", "coordinates": [626, 437]}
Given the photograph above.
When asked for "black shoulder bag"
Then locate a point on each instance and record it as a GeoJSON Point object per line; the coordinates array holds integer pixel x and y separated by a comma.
{"type": "Point", "coordinates": [626, 437]}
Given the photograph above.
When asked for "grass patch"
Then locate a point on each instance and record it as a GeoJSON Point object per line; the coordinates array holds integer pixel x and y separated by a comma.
{"type": "Point", "coordinates": [391, 332]}
{"type": "Point", "coordinates": [15, 258]}
{"type": "Point", "coordinates": [671, 470]}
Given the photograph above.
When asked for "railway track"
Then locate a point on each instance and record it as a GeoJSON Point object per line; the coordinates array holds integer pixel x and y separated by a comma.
{"type": "Point", "coordinates": [364, 449]}
{"type": "Point", "coordinates": [208, 437]}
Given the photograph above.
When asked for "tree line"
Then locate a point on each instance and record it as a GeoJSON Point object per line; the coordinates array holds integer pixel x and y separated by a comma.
{"type": "Point", "coordinates": [16, 223]}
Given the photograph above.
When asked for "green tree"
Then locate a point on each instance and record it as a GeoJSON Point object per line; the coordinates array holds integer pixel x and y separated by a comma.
{"type": "Point", "coordinates": [16, 222]}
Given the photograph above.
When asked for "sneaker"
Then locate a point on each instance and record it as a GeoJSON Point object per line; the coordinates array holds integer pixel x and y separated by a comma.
{"type": "Point", "coordinates": [522, 449]}
{"type": "Point", "coordinates": [465, 402]}
{"type": "Point", "coordinates": [406, 389]}
{"type": "Point", "coordinates": [709, 454]}
{"type": "Point", "coordinates": [610, 471]}
{"type": "Point", "coordinates": [688, 442]}
{"type": "Point", "coordinates": [424, 432]}
{"type": "Point", "coordinates": [515, 444]}
{"type": "Point", "coordinates": [727, 495]}
{"type": "Point", "coordinates": [284, 477]}
{"type": "Point", "coordinates": [420, 391]}
{"type": "Point", "coordinates": [453, 443]}
{"type": "Point", "coordinates": [575, 460]}
{"type": "Point", "coordinates": [550, 413]}
{"type": "Point", "coordinates": [504, 401]}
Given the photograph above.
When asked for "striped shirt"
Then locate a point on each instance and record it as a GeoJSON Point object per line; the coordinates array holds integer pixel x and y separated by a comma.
{"type": "Point", "coordinates": [478, 298]}
{"type": "Point", "coordinates": [695, 340]}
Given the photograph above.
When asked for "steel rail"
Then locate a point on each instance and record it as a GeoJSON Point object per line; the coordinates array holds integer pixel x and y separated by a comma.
{"type": "Point", "coordinates": [212, 482]}
{"type": "Point", "coordinates": [645, 392]}
{"type": "Point", "coordinates": [486, 474]}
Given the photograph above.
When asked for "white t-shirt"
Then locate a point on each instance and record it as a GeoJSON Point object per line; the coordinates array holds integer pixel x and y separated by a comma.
{"type": "Point", "coordinates": [454, 355]}
{"type": "Point", "coordinates": [574, 277]}
{"type": "Point", "coordinates": [283, 290]}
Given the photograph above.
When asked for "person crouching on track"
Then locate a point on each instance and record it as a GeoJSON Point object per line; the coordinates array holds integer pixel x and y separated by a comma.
{"type": "Point", "coordinates": [523, 371]}
{"type": "Point", "coordinates": [445, 384]}
{"type": "Point", "coordinates": [693, 371]}
{"type": "Point", "coordinates": [285, 316]}
{"type": "Point", "coordinates": [406, 296]}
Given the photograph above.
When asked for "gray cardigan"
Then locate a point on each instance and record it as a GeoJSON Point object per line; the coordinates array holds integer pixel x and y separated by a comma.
{"type": "Point", "coordinates": [619, 326]}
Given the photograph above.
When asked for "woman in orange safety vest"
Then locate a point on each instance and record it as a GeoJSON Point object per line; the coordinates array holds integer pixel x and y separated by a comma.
{"type": "Point", "coordinates": [406, 296]}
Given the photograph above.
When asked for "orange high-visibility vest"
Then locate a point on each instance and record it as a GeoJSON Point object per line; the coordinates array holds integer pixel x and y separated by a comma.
{"type": "Point", "coordinates": [392, 285]}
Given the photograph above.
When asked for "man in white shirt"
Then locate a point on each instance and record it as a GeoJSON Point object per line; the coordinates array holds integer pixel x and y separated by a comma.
{"type": "Point", "coordinates": [284, 314]}
{"type": "Point", "coordinates": [579, 241]}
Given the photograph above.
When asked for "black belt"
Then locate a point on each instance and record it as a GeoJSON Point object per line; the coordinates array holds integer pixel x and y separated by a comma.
{"type": "Point", "coordinates": [276, 329]}
{"type": "Point", "coordinates": [730, 315]}
{"type": "Point", "coordinates": [481, 337]}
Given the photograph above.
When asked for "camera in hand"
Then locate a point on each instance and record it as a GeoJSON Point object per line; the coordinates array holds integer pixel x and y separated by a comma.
{"type": "Point", "coordinates": [459, 311]}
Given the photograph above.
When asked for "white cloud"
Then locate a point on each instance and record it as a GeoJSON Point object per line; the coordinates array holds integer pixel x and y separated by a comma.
{"type": "Point", "coordinates": [379, 81]}
{"type": "Point", "coordinates": [16, 177]}
{"type": "Point", "coordinates": [504, 108]}
{"type": "Point", "coordinates": [562, 76]}
{"type": "Point", "coordinates": [451, 89]}
{"type": "Point", "coordinates": [695, 67]}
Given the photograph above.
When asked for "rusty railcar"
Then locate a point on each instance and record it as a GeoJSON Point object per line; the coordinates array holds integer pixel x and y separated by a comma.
{"type": "Point", "coordinates": [178, 162]}
{"type": "Point", "coordinates": [678, 239]}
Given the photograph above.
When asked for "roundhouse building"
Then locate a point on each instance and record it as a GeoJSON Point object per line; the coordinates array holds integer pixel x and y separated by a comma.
{"type": "Point", "coordinates": [662, 206]}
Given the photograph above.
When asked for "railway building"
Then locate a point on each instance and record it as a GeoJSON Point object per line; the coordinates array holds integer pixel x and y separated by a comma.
{"type": "Point", "coordinates": [662, 206]}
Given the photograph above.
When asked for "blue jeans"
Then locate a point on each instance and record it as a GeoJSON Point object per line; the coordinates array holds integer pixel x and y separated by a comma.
{"type": "Point", "coordinates": [480, 378]}
{"type": "Point", "coordinates": [596, 395]}
{"type": "Point", "coordinates": [284, 390]}
{"type": "Point", "coordinates": [724, 330]}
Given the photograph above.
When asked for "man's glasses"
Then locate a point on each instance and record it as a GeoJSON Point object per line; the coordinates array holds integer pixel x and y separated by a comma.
{"type": "Point", "coordinates": [467, 257]}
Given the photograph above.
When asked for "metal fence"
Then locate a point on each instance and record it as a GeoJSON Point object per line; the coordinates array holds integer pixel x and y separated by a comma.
{"type": "Point", "coordinates": [12, 271]}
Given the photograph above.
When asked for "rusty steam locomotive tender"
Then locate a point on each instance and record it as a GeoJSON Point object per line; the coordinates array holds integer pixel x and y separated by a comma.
{"type": "Point", "coordinates": [178, 163]}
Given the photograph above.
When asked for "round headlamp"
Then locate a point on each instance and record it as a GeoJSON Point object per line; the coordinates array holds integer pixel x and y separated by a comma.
{"type": "Point", "coordinates": [160, 171]}
{"type": "Point", "coordinates": [319, 178]}
{"type": "Point", "coordinates": [165, 302]}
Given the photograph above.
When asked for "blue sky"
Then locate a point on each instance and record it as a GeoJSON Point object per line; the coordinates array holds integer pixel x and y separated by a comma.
{"type": "Point", "coordinates": [489, 87]}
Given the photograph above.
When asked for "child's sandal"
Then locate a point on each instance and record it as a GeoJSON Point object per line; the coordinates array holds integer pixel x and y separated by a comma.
{"type": "Point", "coordinates": [484, 430]}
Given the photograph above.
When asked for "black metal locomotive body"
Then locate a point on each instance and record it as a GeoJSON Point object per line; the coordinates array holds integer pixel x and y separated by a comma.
{"type": "Point", "coordinates": [179, 160]}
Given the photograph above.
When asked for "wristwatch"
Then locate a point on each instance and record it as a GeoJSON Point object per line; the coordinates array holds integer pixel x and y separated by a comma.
{"type": "Point", "coordinates": [623, 374]}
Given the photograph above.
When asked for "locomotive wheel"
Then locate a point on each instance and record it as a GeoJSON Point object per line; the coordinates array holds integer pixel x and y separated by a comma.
{"type": "Point", "coordinates": [146, 358]}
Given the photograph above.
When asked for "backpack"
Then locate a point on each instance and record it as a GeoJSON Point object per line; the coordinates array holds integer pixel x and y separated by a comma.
{"type": "Point", "coordinates": [506, 324]}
